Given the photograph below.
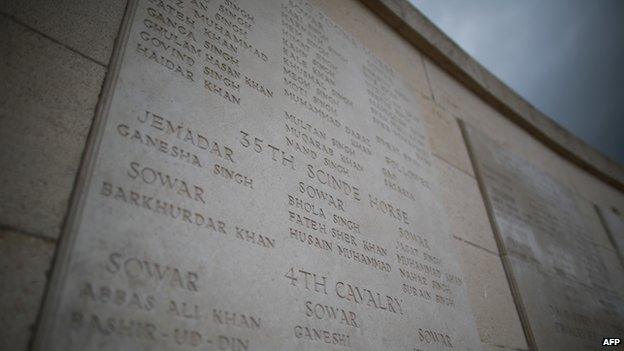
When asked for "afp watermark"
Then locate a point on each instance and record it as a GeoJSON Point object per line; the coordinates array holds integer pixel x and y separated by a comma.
{"type": "Point", "coordinates": [611, 341]}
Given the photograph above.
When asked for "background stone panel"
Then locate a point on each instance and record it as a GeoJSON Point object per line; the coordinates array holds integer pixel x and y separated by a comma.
{"type": "Point", "coordinates": [24, 265]}
{"type": "Point", "coordinates": [496, 316]}
{"type": "Point", "coordinates": [87, 26]}
{"type": "Point", "coordinates": [594, 226]}
{"type": "Point", "coordinates": [48, 96]}
{"type": "Point", "coordinates": [614, 268]}
{"type": "Point", "coordinates": [445, 137]}
{"type": "Point", "coordinates": [464, 206]}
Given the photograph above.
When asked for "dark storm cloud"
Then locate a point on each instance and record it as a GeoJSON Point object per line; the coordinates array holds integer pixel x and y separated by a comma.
{"type": "Point", "coordinates": [566, 57]}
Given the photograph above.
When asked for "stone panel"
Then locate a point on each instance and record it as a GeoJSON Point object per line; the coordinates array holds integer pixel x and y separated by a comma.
{"type": "Point", "coordinates": [490, 297]}
{"type": "Point", "coordinates": [445, 137]}
{"type": "Point", "coordinates": [614, 268]}
{"type": "Point", "coordinates": [48, 96]}
{"type": "Point", "coordinates": [258, 181]}
{"type": "Point", "coordinates": [24, 264]}
{"type": "Point", "coordinates": [464, 206]}
{"type": "Point", "coordinates": [87, 26]}
{"type": "Point", "coordinates": [567, 286]}
{"type": "Point", "coordinates": [613, 224]}
{"type": "Point", "coordinates": [595, 227]}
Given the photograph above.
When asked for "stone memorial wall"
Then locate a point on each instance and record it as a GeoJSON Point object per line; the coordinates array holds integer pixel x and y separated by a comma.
{"type": "Point", "coordinates": [287, 175]}
{"type": "Point", "coordinates": [258, 181]}
{"type": "Point", "coordinates": [563, 289]}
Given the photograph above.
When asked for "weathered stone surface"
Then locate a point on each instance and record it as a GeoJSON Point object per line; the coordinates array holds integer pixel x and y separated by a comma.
{"type": "Point", "coordinates": [568, 290]}
{"type": "Point", "coordinates": [488, 347]}
{"type": "Point", "coordinates": [445, 137]}
{"type": "Point", "coordinates": [452, 96]}
{"type": "Point", "coordinates": [464, 205]}
{"type": "Point", "coordinates": [383, 41]}
{"type": "Point", "coordinates": [261, 181]}
{"type": "Point", "coordinates": [87, 26]}
{"type": "Point", "coordinates": [48, 96]}
{"type": "Point", "coordinates": [24, 263]}
{"type": "Point", "coordinates": [595, 228]}
{"type": "Point", "coordinates": [490, 297]}
{"type": "Point", "coordinates": [614, 227]}
{"type": "Point", "coordinates": [614, 268]}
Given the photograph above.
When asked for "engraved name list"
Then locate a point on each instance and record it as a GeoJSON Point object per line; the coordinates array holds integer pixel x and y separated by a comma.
{"type": "Point", "coordinates": [258, 180]}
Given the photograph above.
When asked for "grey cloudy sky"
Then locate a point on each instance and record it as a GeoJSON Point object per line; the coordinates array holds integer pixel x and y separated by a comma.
{"type": "Point", "coordinates": [566, 57]}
